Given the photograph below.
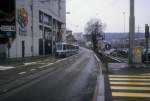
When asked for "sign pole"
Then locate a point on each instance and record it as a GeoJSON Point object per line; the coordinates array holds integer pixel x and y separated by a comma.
{"type": "Point", "coordinates": [146, 38]}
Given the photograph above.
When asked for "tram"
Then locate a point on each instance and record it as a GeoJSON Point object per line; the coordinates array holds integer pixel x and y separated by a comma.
{"type": "Point", "coordinates": [65, 49]}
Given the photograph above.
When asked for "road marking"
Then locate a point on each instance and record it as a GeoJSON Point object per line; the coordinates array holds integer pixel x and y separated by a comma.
{"type": "Point", "coordinates": [29, 63]}
{"type": "Point", "coordinates": [6, 68]}
{"type": "Point", "coordinates": [128, 79]}
{"type": "Point", "coordinates": [58, 61]}
{"type": "Point", "coordinates": [122, 85]}
{"type": "Point", "coordinates": [96, 58]}
{"type": "Point", "coordinates": [64, 59]}
{"type": "Point", "coordinates": [32, 69]}
{"type": "Point", "coordinates": [130, 83]}
{"type": "Point", "coordinates": [128, 76]}
{"type": "Point", "coordinates": [145, 74]}
{"type": "Point", "coordinates": [46, 65]}
{"type": "Point", "coordinates": [115, 59]}
{"type": "Point", "coordinates": [47, 60]}
{"type": "Point", "coordinates": [21, 73]}
{"type": "Point", "coordinates": [42, 63]}
{"type": "Point", "coordinates": [129, 88]}
{"type": "Point", "coordinates": [125, 94]}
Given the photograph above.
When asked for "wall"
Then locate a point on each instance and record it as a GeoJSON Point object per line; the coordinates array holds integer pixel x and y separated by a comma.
{"type": "Point", "coordinates": [24, 28]}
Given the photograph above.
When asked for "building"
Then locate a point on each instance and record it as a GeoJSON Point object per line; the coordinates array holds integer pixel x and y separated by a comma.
{"type": "Point", "coordinates": [79, 36]}
{"type": "Point", "coordinates": [31, 27]}
{"type": "Point", "coordinates": [70, 38]}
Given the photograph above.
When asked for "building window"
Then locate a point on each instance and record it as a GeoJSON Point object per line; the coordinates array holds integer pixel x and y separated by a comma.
{"type": "Point", "coordinates": [40, 17]}
{"type": "Point", "coordinates": [45, 18]}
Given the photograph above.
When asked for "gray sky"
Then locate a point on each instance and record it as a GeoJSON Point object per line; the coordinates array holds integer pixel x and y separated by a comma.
{"type": "Point", "coordinates": [110, 11]}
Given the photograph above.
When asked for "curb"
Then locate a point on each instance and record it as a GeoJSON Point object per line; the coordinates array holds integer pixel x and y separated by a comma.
{"type": "Point", "coordinates": [99, 90]}
{"type": "Point", "coordinates": [21, 60]}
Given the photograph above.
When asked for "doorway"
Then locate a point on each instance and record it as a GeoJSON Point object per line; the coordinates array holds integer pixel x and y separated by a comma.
{"type": "Point", "coordinates": [23, 48]}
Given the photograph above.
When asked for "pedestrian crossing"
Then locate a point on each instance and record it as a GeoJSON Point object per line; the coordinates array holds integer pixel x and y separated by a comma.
{"type": "Point", "coordinates": [130, 86]}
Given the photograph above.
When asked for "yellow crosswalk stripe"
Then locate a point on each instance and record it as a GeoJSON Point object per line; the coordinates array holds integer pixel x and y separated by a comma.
{"type": "Point", "coordinates": [129, 88]}
{"type": "Point", "coordinates": [130, 83]}
{"type": "Point", "coordinates": [125, 94]}
{"type": "Point", "coordinates": [128, 79]}
{"type": "Point", "coordinates": [145, 74]}
{"type": "Point", "coordinates": [125, 83]}
{"type": "Point", "coordinates": [129, 76]}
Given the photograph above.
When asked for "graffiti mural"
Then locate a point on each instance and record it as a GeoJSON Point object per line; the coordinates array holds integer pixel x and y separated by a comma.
{"type": "Point", "coordinates": [22, 20]}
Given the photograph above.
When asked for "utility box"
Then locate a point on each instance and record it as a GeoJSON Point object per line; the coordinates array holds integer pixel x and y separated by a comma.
{"type": "Point", "coordinates": [138, 55]}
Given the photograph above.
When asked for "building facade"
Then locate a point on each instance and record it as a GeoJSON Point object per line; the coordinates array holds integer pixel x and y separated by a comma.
{"type": "Point", "coordinates": [70, 39]}
{"type": "Point", "coordinates": [39, 24]}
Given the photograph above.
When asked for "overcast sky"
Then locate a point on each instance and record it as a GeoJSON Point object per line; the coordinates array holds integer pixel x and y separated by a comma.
{"type": "Point", "coordinates": [110, 11]}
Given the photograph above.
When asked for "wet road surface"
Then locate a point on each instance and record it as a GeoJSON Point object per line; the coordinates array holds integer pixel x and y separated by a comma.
{"type": "Point", "coordinates": [73, 79]}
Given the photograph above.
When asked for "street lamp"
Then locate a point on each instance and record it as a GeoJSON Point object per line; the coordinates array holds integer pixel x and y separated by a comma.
{"type": "Point", "coordinates": [124, 18]}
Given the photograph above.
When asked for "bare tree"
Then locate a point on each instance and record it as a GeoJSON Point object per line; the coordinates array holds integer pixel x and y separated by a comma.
{"type": "Point", "coordinates": [93, 28]}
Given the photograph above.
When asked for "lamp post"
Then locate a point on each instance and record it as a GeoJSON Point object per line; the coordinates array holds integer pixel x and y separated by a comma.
{"type": "Point", "coordinates": [131, 32]}
{"type": "Point", "coordinates": [124, 19]}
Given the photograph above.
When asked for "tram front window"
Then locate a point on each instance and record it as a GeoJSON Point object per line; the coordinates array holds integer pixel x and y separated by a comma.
{"type": "Point", "coordinates": [59, 47]}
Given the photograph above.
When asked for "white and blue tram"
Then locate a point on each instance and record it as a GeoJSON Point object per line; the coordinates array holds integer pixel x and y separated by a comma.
{"type": "Point", "coordinates": [65, 49]}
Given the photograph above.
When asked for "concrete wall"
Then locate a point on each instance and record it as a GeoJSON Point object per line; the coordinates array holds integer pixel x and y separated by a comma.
{"type": "Point", "coordinates": [16, 46]}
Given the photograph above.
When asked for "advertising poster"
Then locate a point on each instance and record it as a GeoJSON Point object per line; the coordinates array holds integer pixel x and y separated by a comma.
{"type": "Point", "coordinates": [22, 16]}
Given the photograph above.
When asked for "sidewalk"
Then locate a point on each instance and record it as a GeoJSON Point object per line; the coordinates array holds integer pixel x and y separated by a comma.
{"type": "Point", "coordinates": [21, 61]}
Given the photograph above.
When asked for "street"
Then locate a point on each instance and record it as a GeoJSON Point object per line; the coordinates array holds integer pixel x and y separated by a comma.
{"type": "Point", "coordinates": [69, 79]}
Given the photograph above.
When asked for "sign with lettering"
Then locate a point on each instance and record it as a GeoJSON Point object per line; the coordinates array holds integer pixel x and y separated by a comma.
{"type": "Point", "coordinates": [7, 19]}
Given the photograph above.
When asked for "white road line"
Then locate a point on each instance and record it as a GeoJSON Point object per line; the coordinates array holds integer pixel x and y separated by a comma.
{"type": "Point", "coordinates": [115, 59]}
{"type": "Point", "coordinates": [29, 63]}
{"type": "Point", "coordinates": [21, 73]}
{"type": "Point", "coordinates": [5, 68]}
{"type": "Point", "coordinates": [42, 63]}
{"type": "Point", "coordinates": [46, 65]}
{"type": "Point", "coordinates": [58, 61]}
{"type": "Point", "coordinates": [47, 60]}
{"type": "Point", "coordinates": [96, 58]}
{"type": "Point", "coordinates": [32, 69]}
{"type": "Point", "coordinates": [64, 59]}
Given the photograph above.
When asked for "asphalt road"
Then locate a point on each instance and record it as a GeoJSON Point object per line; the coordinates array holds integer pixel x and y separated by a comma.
{"type": "Point", "coordinates": [72, 79]}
